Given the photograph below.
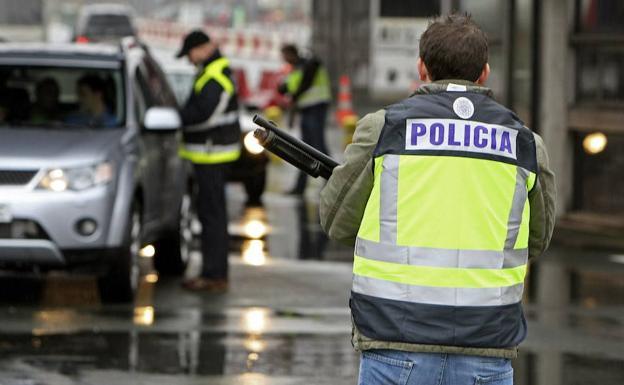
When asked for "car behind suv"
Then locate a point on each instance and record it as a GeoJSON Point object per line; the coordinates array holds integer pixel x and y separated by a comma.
{"type": "Point", "coordinates": [104, 23]}
{"type": "Point", "coordinates": [89, 172]}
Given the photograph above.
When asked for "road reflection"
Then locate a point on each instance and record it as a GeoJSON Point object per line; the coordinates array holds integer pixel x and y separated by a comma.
{"type": "Point", "coordinates": [249, 234]}
{"type": "Point", "coordinates": [255, 320]}
{"type": "Point", "coordinates": [143, 315]}
{"type": "Point", "coordinates": [255, 228]}
{"type": "Point", "coordinates": [289, 229]}
{"type": "Point", "coordinates": [193, 353]}
{"type": "Point", "coordinates": [253, 252]}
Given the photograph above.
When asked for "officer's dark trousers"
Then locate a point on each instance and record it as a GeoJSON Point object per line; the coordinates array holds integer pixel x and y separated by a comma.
{"type": "Point", "coordinates": [313, 120]}
{"type": "Point", "coordinates": [212, 212]}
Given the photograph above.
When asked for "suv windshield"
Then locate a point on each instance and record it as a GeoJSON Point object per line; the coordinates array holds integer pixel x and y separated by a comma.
{"type": "Point", "coordinates": [61, 97]}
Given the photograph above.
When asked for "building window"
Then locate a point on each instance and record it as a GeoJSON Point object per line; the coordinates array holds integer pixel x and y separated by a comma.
{"type": "Point", "coordinates": [600, 187]}
{"type": "Point", "coordinates": [600, 16]}
{"type": "Point", "coordinates": [601, 75]}
{"type": "Point", "coordinates": [24, 12]}
{"type": "Point", "coordinates": [599, 42]}
{"type": "Point", "coordinates": [393, 8]}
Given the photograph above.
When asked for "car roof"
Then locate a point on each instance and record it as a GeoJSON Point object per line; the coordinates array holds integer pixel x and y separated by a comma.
{"type": "Point", "coordinates": [66, 53]}
{"type": "Point", "coordinates": [79, 49]}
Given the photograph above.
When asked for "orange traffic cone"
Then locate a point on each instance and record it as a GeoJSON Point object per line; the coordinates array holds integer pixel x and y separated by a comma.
{"type": "Point", "coordinates": [345, 106]}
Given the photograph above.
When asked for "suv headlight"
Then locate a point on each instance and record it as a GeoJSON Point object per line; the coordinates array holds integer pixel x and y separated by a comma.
{"type": "Point", "coordinates": [78, 178]}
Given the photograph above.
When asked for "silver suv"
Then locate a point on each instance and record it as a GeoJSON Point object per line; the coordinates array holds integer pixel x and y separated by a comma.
{"type": "Point", "coordinates": [89, 172]}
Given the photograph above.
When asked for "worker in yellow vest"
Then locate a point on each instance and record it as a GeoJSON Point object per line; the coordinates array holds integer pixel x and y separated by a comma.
{"type": "Point", "coordinates": [309, 88]}
{"type": "Point", "coordinates": [211, 140]}
{"type": "Point", "coordinates": [445, 196]}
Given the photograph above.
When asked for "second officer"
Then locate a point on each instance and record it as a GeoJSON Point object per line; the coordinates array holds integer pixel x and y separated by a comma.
{"type": "Point", "coordinates": [211, 137]}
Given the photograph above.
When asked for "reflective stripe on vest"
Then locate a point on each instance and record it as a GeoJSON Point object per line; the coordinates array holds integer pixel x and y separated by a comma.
{"type": "Point", "coordinates": [214, 70]}
{"type": "Point", "coordinates": [214, 121]}
{"type": "Point", "coordinates": [318, 92]}
{"type": "Point", "coordinates": [210, 154]}
{"type": "Point", "coordinates": [427, 243]}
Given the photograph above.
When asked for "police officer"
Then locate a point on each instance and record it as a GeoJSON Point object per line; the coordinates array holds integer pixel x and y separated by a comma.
{"type": "Point", "coordinates": [211, 139]}
{"type": "Point", "coordinates": [445, 196]}
{"type": "Point", "coordinates": [308, 85]}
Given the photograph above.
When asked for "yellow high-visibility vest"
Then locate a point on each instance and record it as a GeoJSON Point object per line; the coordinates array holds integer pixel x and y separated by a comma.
{"type": "Point", "coordinates": [441, 253]}
{"type": "Point", "coordinates": [319, 91]}
{"type": "Point", "coordinates": [208, 153]}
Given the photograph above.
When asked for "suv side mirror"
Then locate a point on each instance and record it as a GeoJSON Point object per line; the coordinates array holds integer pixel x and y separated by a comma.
{"type": "Point", "coordinates": [162, 118]}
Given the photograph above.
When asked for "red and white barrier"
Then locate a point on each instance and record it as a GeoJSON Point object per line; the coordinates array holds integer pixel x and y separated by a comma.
{"type": "Point", "coordinates": [237, 43]}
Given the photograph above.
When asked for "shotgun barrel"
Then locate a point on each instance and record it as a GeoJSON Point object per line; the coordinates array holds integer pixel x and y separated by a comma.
{"type": "Point", "coordinates": [292, 150]}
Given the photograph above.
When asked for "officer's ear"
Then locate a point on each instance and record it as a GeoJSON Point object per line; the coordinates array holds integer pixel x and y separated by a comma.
{"type": "Point", "coordinates": [485, 74]}
{"type": "Point", "coordinates": [423, 73]}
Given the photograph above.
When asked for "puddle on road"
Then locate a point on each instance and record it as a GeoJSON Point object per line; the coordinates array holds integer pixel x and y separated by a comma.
{"type": "Point", "coordinates": [184, 353]}
{"type": "Point", "coordinates": [198, 353]}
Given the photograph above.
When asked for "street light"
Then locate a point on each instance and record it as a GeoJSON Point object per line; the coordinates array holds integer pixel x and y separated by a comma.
{"type": "Point", "coordinates": [595, 143]}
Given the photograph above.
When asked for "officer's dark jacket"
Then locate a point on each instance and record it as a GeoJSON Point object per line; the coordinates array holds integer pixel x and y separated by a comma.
{"type": "Point", "coordinates": [211, 100]}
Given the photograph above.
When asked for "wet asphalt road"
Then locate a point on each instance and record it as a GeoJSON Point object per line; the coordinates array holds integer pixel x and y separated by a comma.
{"type": "Point", "coordinates": [285, 319]}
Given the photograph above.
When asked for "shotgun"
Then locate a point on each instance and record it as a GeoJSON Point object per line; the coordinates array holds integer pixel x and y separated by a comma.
{"type": "Point", "coordinates": [292, 150]}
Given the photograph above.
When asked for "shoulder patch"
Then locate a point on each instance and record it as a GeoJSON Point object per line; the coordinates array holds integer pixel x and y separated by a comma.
{"type": "Point", "coordinates": [463, 107]}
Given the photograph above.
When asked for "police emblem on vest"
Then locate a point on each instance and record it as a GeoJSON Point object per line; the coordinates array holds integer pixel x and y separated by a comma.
{"type": "Point", "coordinates": [442, 249]}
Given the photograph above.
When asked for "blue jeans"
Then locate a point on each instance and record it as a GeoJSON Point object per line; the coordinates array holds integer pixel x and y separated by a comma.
{"type": "Point", "coordinates": [392, 367]}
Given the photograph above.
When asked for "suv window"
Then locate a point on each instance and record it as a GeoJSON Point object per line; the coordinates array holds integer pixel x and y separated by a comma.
{"type": "Point", "coordinates": [153, 84]}
{"type": "Point", "coordinates": [61, 96]}
{"type": "Point", "coordinates": [182, 83]}
{"type": "Point", "coordinates": [151, 87]}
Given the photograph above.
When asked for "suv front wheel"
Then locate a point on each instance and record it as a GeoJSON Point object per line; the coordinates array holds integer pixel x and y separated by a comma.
{"type": "Point", "coordinates": [120, 283]}
{"type": "Point", "coordinates": [174, 247]}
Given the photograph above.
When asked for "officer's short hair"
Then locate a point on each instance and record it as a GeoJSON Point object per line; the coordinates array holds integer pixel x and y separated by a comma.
{"type": "Point", "coordinates": [454, 47]}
